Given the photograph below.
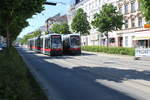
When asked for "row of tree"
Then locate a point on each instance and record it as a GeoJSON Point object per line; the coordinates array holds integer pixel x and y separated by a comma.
{"type": "Point", "coordinates": [14, 15]}
{"type": "Point", "coordinates": [107, 20]}
{"type": "Point", "coordinates": [62, 28]}
{"type": "Point", "coordinates": [29, 36]}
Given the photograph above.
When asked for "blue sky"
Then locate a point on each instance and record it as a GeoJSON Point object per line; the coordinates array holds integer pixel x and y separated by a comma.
{"type": "Point", "coordinates": [39, 19]}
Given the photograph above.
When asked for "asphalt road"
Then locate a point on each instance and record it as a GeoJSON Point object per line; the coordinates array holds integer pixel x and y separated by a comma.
{"type": "Point", "coordinates": [90, 76]}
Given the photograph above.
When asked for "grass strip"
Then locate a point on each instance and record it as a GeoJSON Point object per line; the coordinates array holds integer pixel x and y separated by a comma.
{"type": "Point", "coordinates": [16, 82]}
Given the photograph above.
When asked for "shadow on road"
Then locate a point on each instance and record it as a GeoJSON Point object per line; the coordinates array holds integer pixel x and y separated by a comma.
{"type": "Point", "coordinates": [79, 83]}
{"type": "Point", "coordinates": [114, 74]}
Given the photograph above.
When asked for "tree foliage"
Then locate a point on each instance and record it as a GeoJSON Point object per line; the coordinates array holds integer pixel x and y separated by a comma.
{"type": "Point", "coordinates": [107, 20]}
{"type": "Point", "coordinates": [80, 23]}
{"type": "Point", "coordinates": [29, 36]}
{"type": "Point", "coordinates": [145, 5]}
{"type": "Point", "coordinates": [36, 33]}
{"type": "Point", "coordinates": [13, 16]}
{"type": "Point", "coordinates": [55, 28]}
{"type": "Point", "coordinates": [60, 28]}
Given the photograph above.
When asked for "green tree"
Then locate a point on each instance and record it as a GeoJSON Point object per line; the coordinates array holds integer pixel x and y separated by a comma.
{"type": "Point", "coordinates": [60, 28]}
{"type": "Point", "coordinates": [145, 5]}
{"type": "Point", "coordinates": [13, 16]}
{"type": "Point", "coordinates": [25, 39]}
{"type": "Point", "coordinates": [64, 28]}
{"type": "Point", "coordinates": [107, 20]}
{"type": "Point", "coordinates": [80, 23]}
{"type": "Point", "coordinates": [36, 33]}
{"type": "Point", "coordinates": [56, 28]}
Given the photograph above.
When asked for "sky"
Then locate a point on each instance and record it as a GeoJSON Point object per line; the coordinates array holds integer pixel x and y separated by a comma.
{"type": "Point", "coordinates": [39, 19]}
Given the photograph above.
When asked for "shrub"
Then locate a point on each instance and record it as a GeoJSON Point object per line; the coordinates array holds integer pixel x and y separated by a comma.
{"type": "Point", "coordinates": [110, 50]}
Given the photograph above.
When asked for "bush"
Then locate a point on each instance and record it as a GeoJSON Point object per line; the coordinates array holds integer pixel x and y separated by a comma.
{"type": "Point", "coordinates": [16, 83]}
{"type": "Point", "coordinates": [110, 50]}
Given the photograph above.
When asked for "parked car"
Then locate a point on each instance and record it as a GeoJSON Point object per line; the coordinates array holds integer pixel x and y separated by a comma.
{"type": "Point", "coordinates": [1, 47]}
{"type": "Point", "coordinates": [4, 45]}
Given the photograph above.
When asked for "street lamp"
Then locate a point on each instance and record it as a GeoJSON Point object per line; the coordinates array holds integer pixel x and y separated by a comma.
{"type": "Point", "coordinates": [53, 4]}
{"type": "Point", "coordinates": [50, 3]}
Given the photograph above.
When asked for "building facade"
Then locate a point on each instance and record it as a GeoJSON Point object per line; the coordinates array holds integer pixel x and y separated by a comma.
{"type": "Point", "coordinates": [132, 33]}
{"type": "Point", "coordinates": [57, 19]}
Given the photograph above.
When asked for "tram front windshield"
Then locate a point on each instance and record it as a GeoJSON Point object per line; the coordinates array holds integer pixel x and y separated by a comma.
{"type": "Point", "coordinates": [56, 41]}
{"type": "Point", "coordinates": [75, 41]}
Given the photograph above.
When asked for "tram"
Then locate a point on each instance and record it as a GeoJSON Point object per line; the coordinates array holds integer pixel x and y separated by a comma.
{"type": "Point", "coordinates": [31, 44]}
{"type": "Point", "coordinates": [37, 47]}
{"type": "Point", "coordinates": [71, 44]}
{"type": "Point", "coordinates": [34, 44]}
{"type": "Point", "coordinates": [51, 44]}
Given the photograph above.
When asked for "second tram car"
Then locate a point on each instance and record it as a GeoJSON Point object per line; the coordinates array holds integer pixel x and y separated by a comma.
{"type": "Point", "coordinates": [34, 44]}
{"type": "Point", "coordinates": [72, 44]}
{"type": "Point", "coordinates": [37, 47]}
{"type": "Point", "coordinates": [51, 44]}
{"type": "Point", "coordinates": [31, 44]}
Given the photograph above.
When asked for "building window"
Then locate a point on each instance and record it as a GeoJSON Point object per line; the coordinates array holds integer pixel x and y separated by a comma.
{"type": "Point", "coordinates": [126, 8]}
{"type": "Point", "coordinates": [126, 41]}
{"type": "Point", "coordinates": [132, 7]}
{"type": "Point", "coordinates": [132, 22]}
{"type": "Point", "coordinates": [112, 40]}
{"type": "Point", "coordinates": [126, 24]}
{"type": "Point", "coordinates": [120, 10]}
{"type": "Point", "coordinates": [140, 22]}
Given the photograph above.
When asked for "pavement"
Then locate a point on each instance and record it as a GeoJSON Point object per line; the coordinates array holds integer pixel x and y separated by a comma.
{"type": "Point", "coordinates": [90, 76]}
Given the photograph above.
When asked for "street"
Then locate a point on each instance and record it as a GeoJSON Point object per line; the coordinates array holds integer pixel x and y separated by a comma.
{"type": "Point", "coordinates": [90, 76]}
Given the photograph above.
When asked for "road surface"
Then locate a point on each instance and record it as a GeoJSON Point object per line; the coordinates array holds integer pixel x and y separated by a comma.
{"type": "Point", "coordinates": [90, 76]}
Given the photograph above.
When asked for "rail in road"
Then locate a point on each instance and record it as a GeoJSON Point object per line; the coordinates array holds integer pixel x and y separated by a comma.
{"type": "Point", "coordinates": [90, 77]}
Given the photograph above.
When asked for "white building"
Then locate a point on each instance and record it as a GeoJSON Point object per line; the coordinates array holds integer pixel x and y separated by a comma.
{"type": "Point", "coordinates": [91, 7]}
{"type": "Point", "coordinates": [131, 33]}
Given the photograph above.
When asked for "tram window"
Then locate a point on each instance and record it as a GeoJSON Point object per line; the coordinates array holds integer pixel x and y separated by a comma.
{"type": "Point", "coordinates": [56, 41]}
{"type": "Point", "coordinates": [41, 43]}
{"type": "Point", "coordinates": [38, 42]}
{"type": "Point", "coordinates": [75, 40]}
{"type": "Point", "coordinates": [46, 43]}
